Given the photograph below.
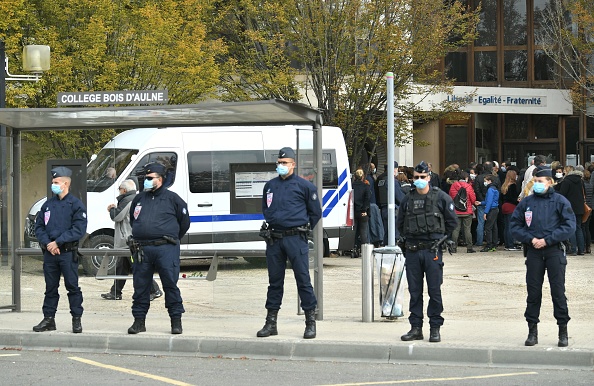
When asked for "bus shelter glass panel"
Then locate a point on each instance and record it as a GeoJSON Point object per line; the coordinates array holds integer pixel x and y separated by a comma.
{"type": "Point", "coordinates": [6, 258]}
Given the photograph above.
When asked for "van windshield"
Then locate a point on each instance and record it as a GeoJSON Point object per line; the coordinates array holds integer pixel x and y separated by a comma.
{"type": "Point", "coordinates": [104, 170]}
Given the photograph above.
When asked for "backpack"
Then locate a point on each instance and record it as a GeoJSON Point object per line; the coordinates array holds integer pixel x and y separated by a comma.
{"type": "Point", "coordinates": [460, 200]}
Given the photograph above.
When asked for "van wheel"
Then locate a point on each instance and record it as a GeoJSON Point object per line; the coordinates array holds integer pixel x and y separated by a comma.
{"type": "Point", "coordinates": [92, 263]}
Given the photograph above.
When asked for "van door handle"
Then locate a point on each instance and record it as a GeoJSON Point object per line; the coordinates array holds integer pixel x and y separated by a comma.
{"type": "Point", "coordinates": [206, 205]}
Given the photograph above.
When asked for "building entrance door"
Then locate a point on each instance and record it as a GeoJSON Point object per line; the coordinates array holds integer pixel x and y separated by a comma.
{"type": "Point", "coordinates": [521, 154]}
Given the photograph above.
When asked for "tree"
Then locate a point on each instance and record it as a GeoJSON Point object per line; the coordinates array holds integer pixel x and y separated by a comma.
{"type": "Point", "coordinates": [344, 48]}
{"type": "Point", "coordinates": [112, 45]}
{"type": "Point", "coordinates": [565, 32]}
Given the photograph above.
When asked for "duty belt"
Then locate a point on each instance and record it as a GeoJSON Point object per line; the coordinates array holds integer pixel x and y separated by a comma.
{"type": "Point", "coordinates": [418, 245]}
{"type": "Point", "coordinates": [279, 234]}
{"type": "Point", "coordinates": [162, 241]}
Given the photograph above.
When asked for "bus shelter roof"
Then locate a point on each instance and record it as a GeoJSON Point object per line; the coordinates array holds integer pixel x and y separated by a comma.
{"type": "Point", "coordinates": [266, 112]}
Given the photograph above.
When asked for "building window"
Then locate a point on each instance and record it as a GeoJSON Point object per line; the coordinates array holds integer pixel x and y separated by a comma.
{"type": "Point", "coordinates": [514, 23]}
{"type": "Point", "coordinates": [516, 126]}
{"type": "Point", "coordinates": [485, 66]}
{"type": "Point", "coordinates": [544, 67]}
{"type": "Point", "coordinates": [456, 68]}
{"type": "Point", "coordinates": [487, 27]}
{"type": "Point", "coordinates": [515, 65]}
{"type": "Point", "coordinates": [545, 126]}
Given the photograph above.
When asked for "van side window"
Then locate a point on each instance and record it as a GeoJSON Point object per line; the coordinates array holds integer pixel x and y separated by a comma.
{"type": "Point", "coordinates": [305, 166]}
{"type": "Point", "coordinates": [169, 159]}
{"type": "Point", "coordinates": [209, 170]}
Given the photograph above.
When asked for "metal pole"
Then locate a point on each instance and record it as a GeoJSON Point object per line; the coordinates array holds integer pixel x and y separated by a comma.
{"type": "Point", "coordinates": [367, 284]}
{"type": "Point", "coordinates": [16, 217]}
{"type": "Point", "coordinates": [3, 163]}
{"type": "Point", "coordinates": [390, 142]}
{"type": "Point", "coordinates": [318, 231]}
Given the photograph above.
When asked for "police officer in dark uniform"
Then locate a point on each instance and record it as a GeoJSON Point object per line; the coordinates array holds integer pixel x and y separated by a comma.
{"type": "Point", "coordinates": [60, 224]}
{"type": "Point", "coordinates": [542, 221]}
{"type": "Point", "coordinates": [426, 215]}
{"type": "Point", "coordinates": [289, 204]}
{"type": "Point", "coordinates": [159, 219]}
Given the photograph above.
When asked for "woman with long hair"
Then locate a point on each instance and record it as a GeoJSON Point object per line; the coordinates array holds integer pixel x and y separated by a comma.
{"type": "Point", "coordinates": [509, 200]}
{"type": "Point", "coordinates": [361, 200]}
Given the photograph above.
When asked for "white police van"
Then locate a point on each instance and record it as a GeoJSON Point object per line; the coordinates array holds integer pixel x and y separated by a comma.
{"type": "Point", "coordinates": [219, 172]}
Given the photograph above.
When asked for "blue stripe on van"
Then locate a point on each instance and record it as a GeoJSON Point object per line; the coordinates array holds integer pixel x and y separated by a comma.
{"type": "Point", "coordinates": [329, 201]}
{"type": "Point", "coordinates": [227, 217]}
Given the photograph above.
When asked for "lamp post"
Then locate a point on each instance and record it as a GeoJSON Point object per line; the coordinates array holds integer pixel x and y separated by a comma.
{"type": "Point", "coordinates": [36, 59]}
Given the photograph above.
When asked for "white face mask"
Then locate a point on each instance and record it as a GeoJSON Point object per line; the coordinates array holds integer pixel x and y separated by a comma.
{"type": "Point", "coordinates": [559, 175]}
{"type": "Point", "coordinates": [486, 183]}
{"type": "Point", "coordinates": [473, 176]}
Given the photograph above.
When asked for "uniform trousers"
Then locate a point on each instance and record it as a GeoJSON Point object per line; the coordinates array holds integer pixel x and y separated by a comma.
{"type": "Point", "coordinates": [54, 266]}
{"type": "Point", "coordinates": [124, 267]}
{"type": "Point", "coordinates": [295, 249]}
{"type": "Point", "coordinates": [554, 261]}
{"type": "Point", "coordinates": [163, 259]}
{"type": "Point", "coordinates": [418, 264]}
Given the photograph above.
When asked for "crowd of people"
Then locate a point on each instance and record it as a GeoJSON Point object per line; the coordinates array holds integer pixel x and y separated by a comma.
{"type": "Point", "coordinates": [492, 192]}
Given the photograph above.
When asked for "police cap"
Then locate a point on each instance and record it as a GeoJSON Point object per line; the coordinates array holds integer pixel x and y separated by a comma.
{"type": "Point", "coordinates": [286, 152]}
{"type": "Point", "coordinates": [543, 171]}
{"type": "Point", "coordinates": [61, 171]}
{"type": "Point", "coordinates": [422, 167]}
{"type": "Point", "coordinates": [154, 167]}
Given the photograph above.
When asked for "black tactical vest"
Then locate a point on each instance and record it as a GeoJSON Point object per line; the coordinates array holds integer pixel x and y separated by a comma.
{"type": "Point", "coordinates": [422, 214]}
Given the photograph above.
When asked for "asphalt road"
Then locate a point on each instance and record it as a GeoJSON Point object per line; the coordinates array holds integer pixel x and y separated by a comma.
{"type": "Point", "coordinates": [58, 369]}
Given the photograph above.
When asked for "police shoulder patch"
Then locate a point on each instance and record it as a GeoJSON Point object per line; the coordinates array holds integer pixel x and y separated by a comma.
{"type": "Point", "coordinates": [314, 196]}
{"type": "Point", "coordinates": [84, 215]}
{"type": "Point", "coordinates": [452, 207]}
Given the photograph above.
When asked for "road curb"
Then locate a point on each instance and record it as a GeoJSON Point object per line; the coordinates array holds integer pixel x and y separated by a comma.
{"type": "Point", "coordinates": [299, 349]}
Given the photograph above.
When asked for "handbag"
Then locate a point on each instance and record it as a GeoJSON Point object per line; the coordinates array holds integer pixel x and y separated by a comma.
{"type": "Point", "coordinates": [587, 209]}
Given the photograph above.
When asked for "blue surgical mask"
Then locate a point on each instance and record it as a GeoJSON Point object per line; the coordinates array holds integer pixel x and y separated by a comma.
{"type": "Point", "coordinates": [421, 183]}
{"type": "Point", "coordinates": [148, 185]}
{"type": "Point", "coordinates": [282, 170]}
{"type": "Point", "coordinates": [56, 189]}
{"type": "Point", "coordinates": [503, 169]}
{"type": "Point", "coordinates": [538, 187]}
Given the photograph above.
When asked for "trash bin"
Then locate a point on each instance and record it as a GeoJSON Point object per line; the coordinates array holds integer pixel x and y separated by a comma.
{"type": "Point", "coordinates": [391, 273]}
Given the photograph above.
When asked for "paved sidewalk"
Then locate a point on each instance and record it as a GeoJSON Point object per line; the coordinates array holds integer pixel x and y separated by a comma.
{"type": "Point", "coordinates": [484, 300]}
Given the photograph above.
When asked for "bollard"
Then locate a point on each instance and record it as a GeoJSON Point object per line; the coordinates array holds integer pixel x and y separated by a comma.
{"type": "Point", "coordinates": [367, 277]}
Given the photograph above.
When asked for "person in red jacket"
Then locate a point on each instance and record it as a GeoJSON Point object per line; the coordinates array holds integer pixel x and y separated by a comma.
{"type": "Point", "coordinates": [465, 217]}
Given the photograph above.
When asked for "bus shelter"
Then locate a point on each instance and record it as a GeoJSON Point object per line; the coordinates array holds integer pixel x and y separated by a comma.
{"type": "Point", "coordinates": [17, 121]}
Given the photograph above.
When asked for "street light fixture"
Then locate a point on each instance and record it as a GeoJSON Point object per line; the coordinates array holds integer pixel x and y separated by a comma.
{"type": "Point", "coordinates": [36, 59]}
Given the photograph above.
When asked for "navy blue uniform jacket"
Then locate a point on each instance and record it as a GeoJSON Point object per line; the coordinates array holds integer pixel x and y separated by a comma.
{"type": "Point", "coordinates": [62, 221]}
{"type": "Point", "coordinates": [290, 203]}
{"type": "Point", "coordinates": [548, 216]}
{"type": "Point", "coordinates": [154, 214]}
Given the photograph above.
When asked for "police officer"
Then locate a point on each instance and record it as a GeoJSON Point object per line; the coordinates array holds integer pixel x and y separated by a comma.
{"type": "Point", "coordinates": [542, 221]}
{"type": "Point", "coordinates": [120, 214]}
{"type": "Point", "coordinates": [289, 204]}
{"type": "Point", "coordinates": [159, 219]}
{"type": "Point", "coordinates": [60, 224]}
{"type": "Point", "coordinates": [426, 215]}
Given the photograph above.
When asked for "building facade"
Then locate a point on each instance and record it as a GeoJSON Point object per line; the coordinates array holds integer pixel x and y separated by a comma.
{"type": "Point", "coordinates": [518, 109]}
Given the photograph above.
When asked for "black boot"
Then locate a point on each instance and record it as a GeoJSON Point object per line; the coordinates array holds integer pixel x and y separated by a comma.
{"type": "Point", "coordinates": [532, 335]}
{"type": "Point", "coordinates": [76, 325]}
{"type": "Point", "coordinates": [47, 324]}
{"type": "Point", "coordinates": [270, 325]}
{"type": "Point", "coordinates": [176, 326]}
{"type": "Point", "coordinates": [137, 327]}
{"type": "Point", "coordinates": [434, 335]}
{"type": "Point", "coordinates": [563, 336]}
{"type": "Point", "coordinates": [415, 333]}
{"type": "Point", "coordinates": [310, 324]}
